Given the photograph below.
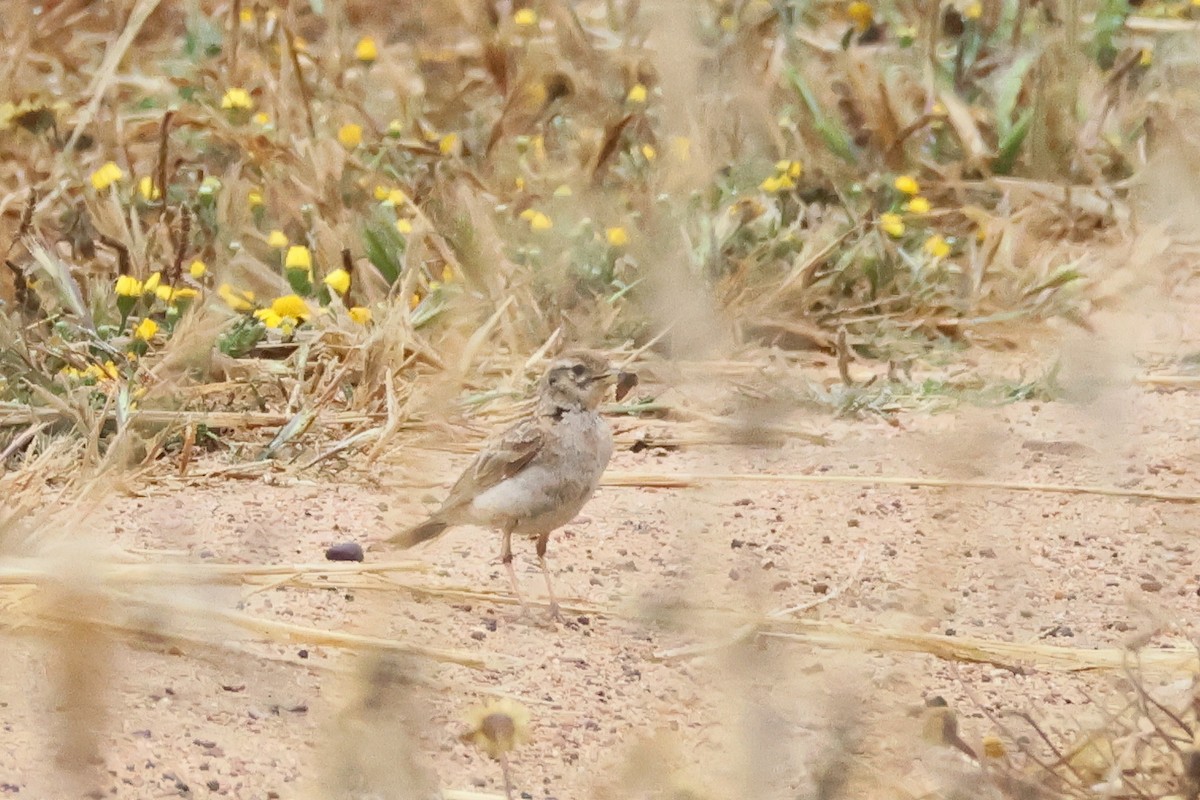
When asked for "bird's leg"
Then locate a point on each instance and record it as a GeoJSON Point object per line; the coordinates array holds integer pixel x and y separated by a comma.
{"type": "Point", "coordinates": [542, 541]}
{"type": "Point", "coordinates": [506, 558]}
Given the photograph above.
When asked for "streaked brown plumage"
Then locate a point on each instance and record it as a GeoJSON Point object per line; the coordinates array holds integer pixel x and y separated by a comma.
{"type": "Point", "coordinates": [536, 476]}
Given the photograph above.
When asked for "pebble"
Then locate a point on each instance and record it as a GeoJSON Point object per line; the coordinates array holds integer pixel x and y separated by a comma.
{"type": "Point", "coordinates": [345, 551]}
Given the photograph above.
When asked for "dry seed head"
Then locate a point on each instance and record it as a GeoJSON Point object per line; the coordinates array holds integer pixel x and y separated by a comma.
{"type": "Point", "coordinates": [498, 727]}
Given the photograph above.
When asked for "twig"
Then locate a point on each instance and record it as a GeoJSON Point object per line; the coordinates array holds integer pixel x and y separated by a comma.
{"type": "Point", "coordinates": [16, 414]}
{"type": "Point", "coordinates": [164, 138]}
{"type": "Point", "coordinates": [108, 68]}
{"type": "Point", "coordinates": [21, 440]}
{"type": "Point", "coordinates": [687, 481]}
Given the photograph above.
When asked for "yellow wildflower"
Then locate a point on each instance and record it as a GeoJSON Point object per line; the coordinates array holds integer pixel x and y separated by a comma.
{"type": "Point", "coordinates": [728, 23]}
{"type": "Point", "coordinates": [277, 239]}
{"type": "Point", "coordinates": [973, 10]}
{"type": "Point", "coordinates": [448, 144]}
{"type": "Point", "coordinates": [147, 189]}
{"type": "Point", "coordinates": [649, 152]}
{"type": "Point", "coordinates": [298, 257]}
{"type": "Point", "coordinates": [937, 246]}
{"type": "Point", "coordinates": [236, 299]}
{"type": "Point", "coordinates": [793, 169]}
{"type": "Point", "coordinates": [918, 205]}
{"type": "Point", "coordinates": [404, 227]}
{"type": "Point", "coordinates": [350, 135]}
{"type": "Point", "coordinates": [525, 17]}
{"type": "Point", "coordinates": [291, 305]}
{"type": "Point", "coordinates": [681, 148]}
{"type": "Point", "coordinates": [563, 190]}
{"type": "Point", "coordinates": [269, 318]}
{"type": "Point", "coordinates": [448, 274]}
{"type": "Point", "coordinates": [246, 16]}
{"type": "Point", "coordinates": [498, 727]}
{"type": "Point", "coordinates": [261, 119]}
{"type": "Point", "coordinates": [907, 184]}
{"type": "Point", "coordinates": [360, 314]}
{"type": "Point", "coordinates": [209, 186]}
{"type": "Point", "coordinates": [637, 94]}
{"type": "Point", "coordinates": [338, 281]}
{"type": "Point", "coordinates": [106, 176]}
{"type": "Point", "coordinates": [414, 300]}
{"type": "Point", "coordinates": [365, 50]}
{"type": "Point", "coordinates": [1147, 57]}
{"type": "Point", "coordinates": [892, 225]}
{"type": "Point", "coordinates": [152, 283]}
{"type": "Point", "coordinates": [777, 183]}
{"type": "Point", "coordinates": [237, 99]}
{"type": "Point", "coordinates": [197, 269]}
{"type": "Point", "coordinates": [537, 220]}
{"type": "Point", "coordinates": [861, 15]}
{"type": "Point", "coordinates": [254, 198]}
{"type": "Point", "coordinates": [396, 197]}
{"type": "Point", "coordinates": [145, 330]}
{"type": "Point", "coordinates": [128, 286]}
{"type": "Point", "coordinates": [616, 236]}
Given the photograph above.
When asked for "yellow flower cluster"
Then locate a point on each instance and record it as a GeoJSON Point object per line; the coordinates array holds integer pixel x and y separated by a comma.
{"type": "Point", "coordinates": [97, 372]}
{"type": "Point", "coordinates": [785, 177]}
{"type": "Point", "coordinates": [106, 176]}
{"type": "Point", "coordinates": [537, 220]}
{"type": "Point", "coordinates": [237, 99]}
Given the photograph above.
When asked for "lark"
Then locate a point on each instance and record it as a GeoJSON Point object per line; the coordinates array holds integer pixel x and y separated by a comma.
{"type": "Point", "coordinates": [536, 476]}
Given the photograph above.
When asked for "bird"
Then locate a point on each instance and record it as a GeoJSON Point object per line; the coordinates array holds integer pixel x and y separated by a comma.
{"type": "Point", "coordinates": [536, 476]}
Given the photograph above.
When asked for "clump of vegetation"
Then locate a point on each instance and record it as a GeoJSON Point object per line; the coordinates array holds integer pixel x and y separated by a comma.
{"type": "Point", "coordinates": [297, 192]}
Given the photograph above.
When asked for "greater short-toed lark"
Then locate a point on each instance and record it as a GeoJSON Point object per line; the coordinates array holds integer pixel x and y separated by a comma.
{"type": "Point", "coordinates": [537, 475]}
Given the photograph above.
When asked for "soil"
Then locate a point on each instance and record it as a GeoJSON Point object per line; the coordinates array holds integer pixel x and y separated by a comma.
{"type": "Point", "coordinates": [610, 718]}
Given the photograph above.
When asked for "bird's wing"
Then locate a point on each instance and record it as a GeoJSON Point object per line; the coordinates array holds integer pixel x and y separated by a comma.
{"type": "Point", "coordinates": [499, 460]}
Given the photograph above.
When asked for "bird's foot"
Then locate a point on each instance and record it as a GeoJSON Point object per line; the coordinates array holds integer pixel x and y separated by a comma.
{"type": "Point", "coordinates": [524, 615]}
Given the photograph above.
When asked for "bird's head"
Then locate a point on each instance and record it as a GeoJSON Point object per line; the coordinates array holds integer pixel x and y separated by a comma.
{"type": "Point", "coordinates": [577, 381]}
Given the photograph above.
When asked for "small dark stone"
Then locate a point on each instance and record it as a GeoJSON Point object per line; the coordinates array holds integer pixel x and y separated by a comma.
{"type": "Point", "coordinates": [142, 734]}
{"type": "Point", "coordinates": [478, 636]}
{"type": "Point", "coordinates": [213, 785]}
{"type": "Point", "coordinates": [205, 743]}
{"type": "Point", "coordinates": [345, 551]}
{"type": "Point", "coordinates": [736, 544]}
{"type": "Point", "coordinates": [584, 620]}
{"type": "Point", "coordinates": [820, 588]}
{"type": "Point", "coordinates": [1151, 586]}
{"type": "Point", "coordinates": [303, 654]}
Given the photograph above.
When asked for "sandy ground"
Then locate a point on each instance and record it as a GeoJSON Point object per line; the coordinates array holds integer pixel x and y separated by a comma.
{"type": "Point", "coordinates": [610, 718]}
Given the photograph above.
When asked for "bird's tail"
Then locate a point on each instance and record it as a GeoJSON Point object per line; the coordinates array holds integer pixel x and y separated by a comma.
{"type": "Point", "coordinates": [429, 529]}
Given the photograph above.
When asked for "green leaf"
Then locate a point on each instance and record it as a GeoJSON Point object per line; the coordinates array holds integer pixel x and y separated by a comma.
{"type": "Point", "coordinates": [239, 341]}
{"type": "Point", "coordinates": [836, 138]}
{"type": "Point", "coordinates": [384, 245]}
{"type": "Point", "coordinates": [1010, 143]}
{"type": "Point", "coordinates": [1008, 89]}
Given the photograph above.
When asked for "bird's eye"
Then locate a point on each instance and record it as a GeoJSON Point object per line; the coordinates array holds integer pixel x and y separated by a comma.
{"type": "Point", "coordinates": [578, 370]}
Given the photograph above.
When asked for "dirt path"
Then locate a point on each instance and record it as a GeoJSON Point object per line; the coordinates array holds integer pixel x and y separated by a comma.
{"type": "Point", "coordinates": [611, 719]}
